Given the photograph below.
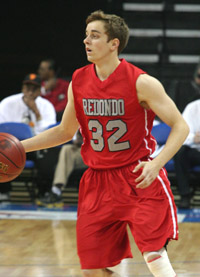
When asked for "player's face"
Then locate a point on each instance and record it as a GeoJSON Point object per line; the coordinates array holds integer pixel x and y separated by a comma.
{"type": "Point", "coordinates": [96, 42]}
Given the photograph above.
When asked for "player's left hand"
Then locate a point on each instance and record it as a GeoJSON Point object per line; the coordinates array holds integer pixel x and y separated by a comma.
{"type": "Point", "coordinates": [149, 173]}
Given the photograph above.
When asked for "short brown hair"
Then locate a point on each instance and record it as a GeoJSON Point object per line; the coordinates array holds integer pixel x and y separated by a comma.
{"type": "Point", "coordinates": [115, 27]}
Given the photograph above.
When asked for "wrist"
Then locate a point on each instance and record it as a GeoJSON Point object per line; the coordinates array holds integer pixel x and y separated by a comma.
{"type": "Point", "coordinates": [157, 162]}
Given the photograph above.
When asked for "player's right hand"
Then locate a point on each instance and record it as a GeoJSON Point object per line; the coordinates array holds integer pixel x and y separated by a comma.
{"type": "Point", "coordinates": [149, 173]}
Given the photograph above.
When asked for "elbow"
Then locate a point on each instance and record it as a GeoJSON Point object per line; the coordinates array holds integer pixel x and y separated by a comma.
{"type": "Point", "coordinates": [186, 129]}
{"type": "Point", "coordinates": [70, 137]}
{"type": "Point", "coordinates": [65, 137]}
{"type": "Point", "coordinates": [65, 134]}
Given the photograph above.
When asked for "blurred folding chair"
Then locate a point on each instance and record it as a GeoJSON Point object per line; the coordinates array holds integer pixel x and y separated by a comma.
{"type": "Point", "coordinates": [22, 131]}
{"type": "Point", "coordinates": [53, 125]}
{"type": "Point", "coordinates": [161, 132]}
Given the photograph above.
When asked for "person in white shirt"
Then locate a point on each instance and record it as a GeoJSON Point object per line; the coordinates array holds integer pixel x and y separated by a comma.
{"type": "Point", "coordinates": [28, 106]}
{"type": "Point", "coordinates": [189, 154]}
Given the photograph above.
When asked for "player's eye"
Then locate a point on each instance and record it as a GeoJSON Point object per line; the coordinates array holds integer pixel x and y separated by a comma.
{"type": "Point", "coordinates": [92, 36]}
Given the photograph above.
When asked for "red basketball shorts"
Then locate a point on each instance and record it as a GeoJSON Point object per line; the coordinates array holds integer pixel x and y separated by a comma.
{"type": "Point", "coordinates": [109, 202]}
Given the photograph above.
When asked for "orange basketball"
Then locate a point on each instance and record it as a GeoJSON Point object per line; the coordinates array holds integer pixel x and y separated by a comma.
{"type": "Point", "coordinates": [12, 157]}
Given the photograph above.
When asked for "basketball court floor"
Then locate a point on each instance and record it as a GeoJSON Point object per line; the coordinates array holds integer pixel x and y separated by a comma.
{"type": "Point", "coordinates": [42, 243]}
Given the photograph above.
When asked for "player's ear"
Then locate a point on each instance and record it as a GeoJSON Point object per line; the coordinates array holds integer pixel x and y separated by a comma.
{"type": "Point", "coordinates": [115, 44]}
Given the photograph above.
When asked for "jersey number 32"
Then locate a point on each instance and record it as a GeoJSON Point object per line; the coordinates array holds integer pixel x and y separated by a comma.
{"type": "Point", "coordinates": [98, 141]}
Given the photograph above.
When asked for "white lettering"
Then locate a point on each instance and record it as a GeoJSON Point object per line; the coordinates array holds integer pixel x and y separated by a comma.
{"type": "Point", "coordinates": [103, 107]}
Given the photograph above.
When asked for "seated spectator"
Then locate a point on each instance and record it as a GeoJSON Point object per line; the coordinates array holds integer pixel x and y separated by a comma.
{"type": "Point", "coordinates": [187, 91]}
{"type": "Point", "coordinates": [189, 154]}
{"type": "Point", "coordinates": [69, 159]}
{"type": "Point", "coordinates": [53, 88]}
{"type": "Point", "coordinates": [28, 107]}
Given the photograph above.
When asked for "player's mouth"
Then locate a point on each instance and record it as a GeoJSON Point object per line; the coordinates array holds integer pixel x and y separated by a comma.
{"type": "Point", "coordinates": [88, 50]}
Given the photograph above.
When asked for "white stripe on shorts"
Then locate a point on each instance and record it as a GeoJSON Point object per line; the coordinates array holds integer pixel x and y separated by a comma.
{"type": "Point", "coordinates": [170, 203]}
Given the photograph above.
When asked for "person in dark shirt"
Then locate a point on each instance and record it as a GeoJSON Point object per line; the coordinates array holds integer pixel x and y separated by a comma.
{"type": "Point", "coordinates": [53, 88]}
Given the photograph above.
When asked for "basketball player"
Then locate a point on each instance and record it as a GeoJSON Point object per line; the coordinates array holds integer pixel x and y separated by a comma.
{"type": "Point", "coordinates": [114, 103]}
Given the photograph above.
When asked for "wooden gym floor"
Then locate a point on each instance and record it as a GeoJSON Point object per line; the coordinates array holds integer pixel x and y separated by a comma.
{"type": "Point", "coordinates": [47, 248]}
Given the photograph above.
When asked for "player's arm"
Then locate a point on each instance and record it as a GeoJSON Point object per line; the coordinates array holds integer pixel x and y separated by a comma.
{"type": "Point", "coordinates": [59, 134]}
{"type": "Point", "coordinates": [151, 94]}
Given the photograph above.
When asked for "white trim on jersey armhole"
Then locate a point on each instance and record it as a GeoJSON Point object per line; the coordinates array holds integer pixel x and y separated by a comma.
{"type": "Point", "coordinates": [147, 131]}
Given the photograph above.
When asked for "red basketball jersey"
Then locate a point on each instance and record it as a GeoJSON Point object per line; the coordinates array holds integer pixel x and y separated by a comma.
{"type": "Point", "coordinates": [116, 129]}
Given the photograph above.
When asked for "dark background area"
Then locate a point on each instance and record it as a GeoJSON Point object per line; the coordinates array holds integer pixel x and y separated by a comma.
{"type": "Point", "coordinates": [34, 30]}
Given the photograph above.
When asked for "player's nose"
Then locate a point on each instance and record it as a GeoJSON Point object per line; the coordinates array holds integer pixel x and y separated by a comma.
{"type": "Point", "coordinates": [86, 40]}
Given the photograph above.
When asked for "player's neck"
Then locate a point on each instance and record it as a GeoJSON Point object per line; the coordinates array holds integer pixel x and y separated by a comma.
{"type": "Point", "coordinates": [104, 70]}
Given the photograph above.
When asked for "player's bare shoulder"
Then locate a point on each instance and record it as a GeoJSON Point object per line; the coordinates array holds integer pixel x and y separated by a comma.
{"type": "Point", "coordinates": [70, 93]}
{"type": "Point", "coordinates": [148, 88]}
{"type": "Point", "coordinates": [143, 80]}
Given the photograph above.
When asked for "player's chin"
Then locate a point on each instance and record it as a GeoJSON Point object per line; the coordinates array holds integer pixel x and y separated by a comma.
{"type": "Point", "coordinates": [90, 59]}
